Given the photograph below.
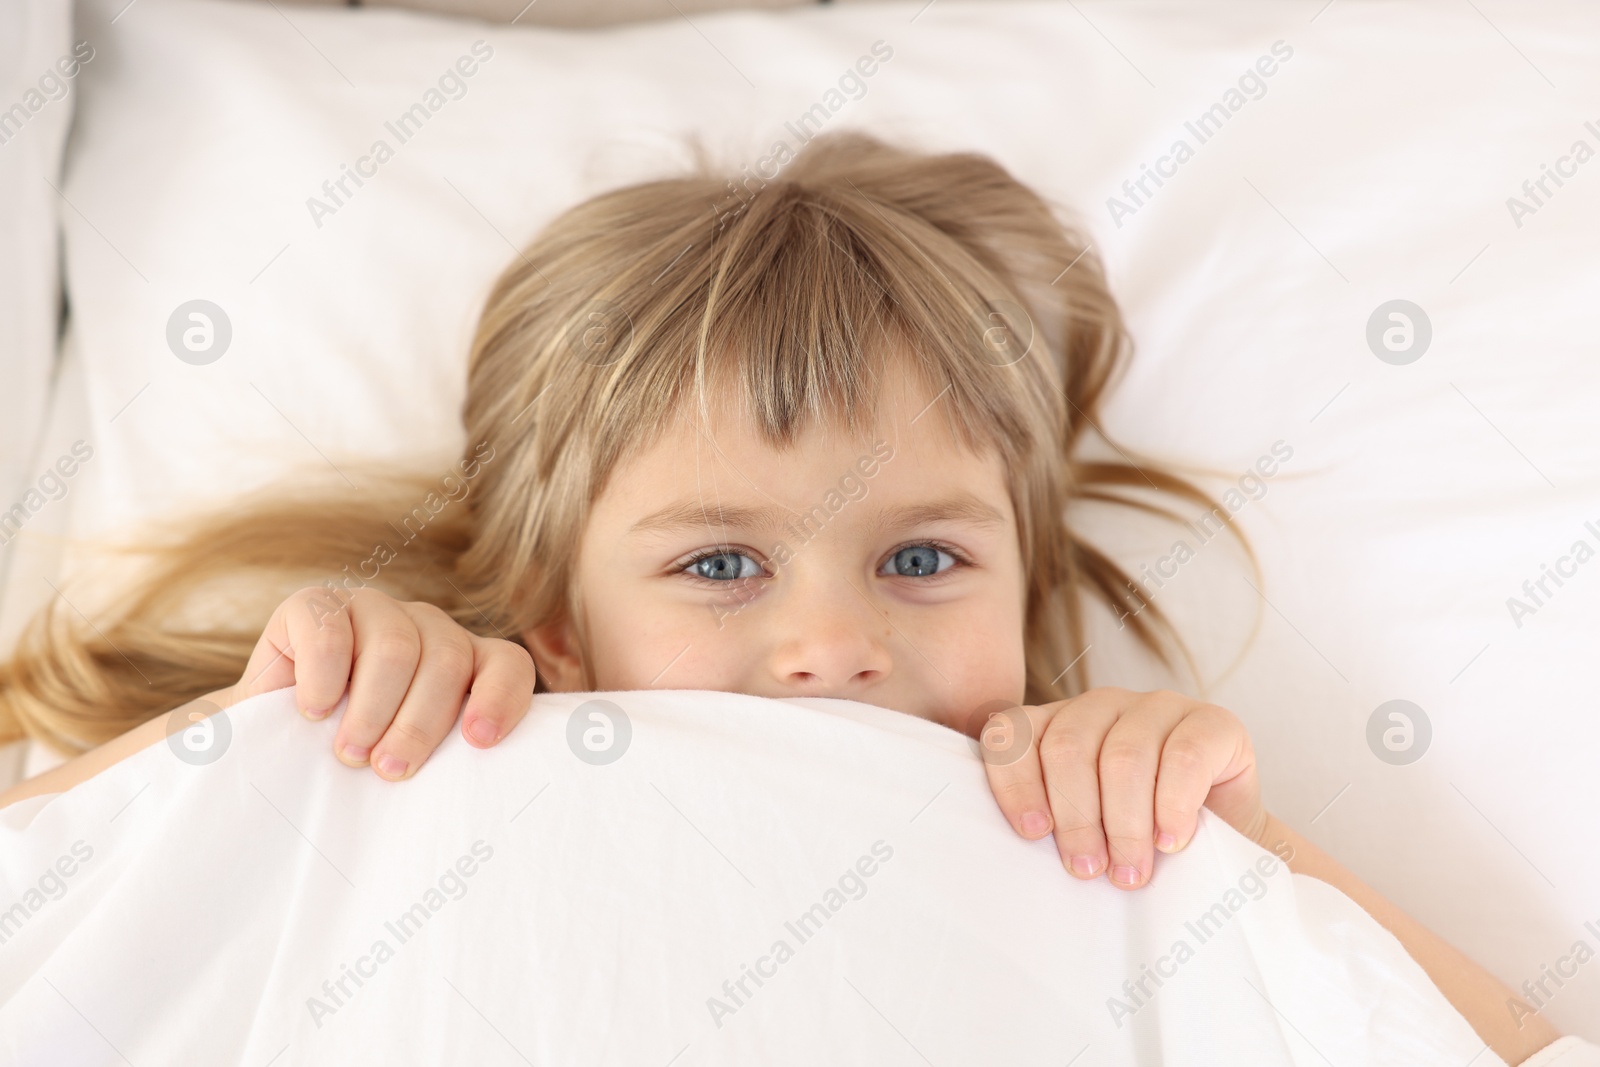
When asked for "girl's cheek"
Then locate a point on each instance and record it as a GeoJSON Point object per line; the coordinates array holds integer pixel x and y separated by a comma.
{"type": "Point", "coordinates": [688, 644]}
{"type": "Point", "coordinates": [987, 648]}
{"type": "Point", "coordinates": [722, 608]}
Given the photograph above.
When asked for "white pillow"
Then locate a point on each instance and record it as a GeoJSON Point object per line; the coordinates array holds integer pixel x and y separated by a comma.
{"type": "Point", "coordinates": [1374, 164]}
{"type": "Point", "coordinates": [39, 65]}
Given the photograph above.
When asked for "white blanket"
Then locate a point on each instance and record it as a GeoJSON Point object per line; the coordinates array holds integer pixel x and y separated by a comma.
{"type": "Point", "coordinates": [750, 881]}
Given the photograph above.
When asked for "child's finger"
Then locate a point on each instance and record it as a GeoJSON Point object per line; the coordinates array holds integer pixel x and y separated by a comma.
{"type": "Point", "coordinates": [1070, 755]}
{"type": "Point", "coordinates": [502, 686]}
{"type": "Point", "coordinates": [320, 647]}
{"type": "Point", "coordinates": [1011, 760]}
{"type": "Point", "coordinates": [1129, 758]}
{"type": "Point", "coordinates": [387, 649]}
{"type": "Point", "coordinates": [271, 664]}
{"type": "Point", "coordinates": [1197, 752]}
{"type": "Point", "coordinates": [429, 708]}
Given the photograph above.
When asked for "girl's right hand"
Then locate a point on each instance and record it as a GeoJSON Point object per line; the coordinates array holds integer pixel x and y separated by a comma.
{"type": "Point", "coordinates": [407, 666]}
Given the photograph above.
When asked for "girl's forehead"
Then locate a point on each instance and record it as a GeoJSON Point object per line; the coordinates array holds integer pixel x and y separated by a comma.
{"type": "Point", "coordinates": [904, 423]}
{"type": "Point", "coordinates": [741, 430]}
{"type": "Point", "coordinates": [908, 453]}
{"type": "Point", "coordinates": [902, 407]}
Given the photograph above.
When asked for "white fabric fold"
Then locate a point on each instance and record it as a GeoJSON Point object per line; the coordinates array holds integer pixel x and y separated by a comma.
{"type": "Point", "coordinates": [689, 877]}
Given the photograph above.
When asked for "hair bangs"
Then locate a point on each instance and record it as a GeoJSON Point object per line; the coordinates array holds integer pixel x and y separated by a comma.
{"type": "Point", "coordinates": [803, 306]}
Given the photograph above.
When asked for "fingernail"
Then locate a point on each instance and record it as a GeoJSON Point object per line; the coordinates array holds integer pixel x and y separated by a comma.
{"type": "Point", "coordinates": [354, 754]}
{"type": "Point", "coordinates": [1085, 866]}
{"type": "Point", "coordinates": [391, 766]}
{"type": "Point", "coordinates": [1166, 842]}
{"type": "Point", "coordinates": [1125, 875]}
{"type": "Point", "coordinates": [483, 731]}
{"type": "Point", "coordinates": [1035, 823]}
{"type": "Point", "coordinates": [317, 713]}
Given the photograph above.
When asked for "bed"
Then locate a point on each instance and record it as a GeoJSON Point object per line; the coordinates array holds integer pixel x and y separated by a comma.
{"type": "Point", "coordinates": [1362, 262]}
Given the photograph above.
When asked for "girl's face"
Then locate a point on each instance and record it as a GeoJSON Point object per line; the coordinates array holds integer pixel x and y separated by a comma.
{"type": "Point", "coordinates": [884, 570]}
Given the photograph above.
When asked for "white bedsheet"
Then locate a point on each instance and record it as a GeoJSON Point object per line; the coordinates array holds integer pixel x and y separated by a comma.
{"type": "Point", "coordinates": [570, 912]}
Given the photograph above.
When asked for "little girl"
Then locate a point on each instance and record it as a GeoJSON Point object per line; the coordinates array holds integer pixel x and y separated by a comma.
{"type": "Point", "coordinates": [815, 438]}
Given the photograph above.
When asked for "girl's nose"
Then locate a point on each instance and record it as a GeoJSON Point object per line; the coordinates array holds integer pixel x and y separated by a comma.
{"type": "Point", "coordinates": [832, 649]}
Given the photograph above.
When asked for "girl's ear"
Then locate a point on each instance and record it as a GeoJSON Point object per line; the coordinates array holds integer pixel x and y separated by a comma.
{"type": "Point", "coordinates": [555, 656]}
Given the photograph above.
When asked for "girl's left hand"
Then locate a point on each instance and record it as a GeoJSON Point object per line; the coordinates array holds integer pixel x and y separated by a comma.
{"type": "Point", "coordinates": [1117, 775]}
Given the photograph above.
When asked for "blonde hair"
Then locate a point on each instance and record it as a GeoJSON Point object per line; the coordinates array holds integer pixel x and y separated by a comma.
{"type": "Point", "coordinates": [788, 299]}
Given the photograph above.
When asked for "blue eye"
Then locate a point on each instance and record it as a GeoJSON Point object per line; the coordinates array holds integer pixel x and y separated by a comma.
{"type": "Point", "coordinates": [918, 561]}
{"type": "Point", "coordinates": [725, 567]}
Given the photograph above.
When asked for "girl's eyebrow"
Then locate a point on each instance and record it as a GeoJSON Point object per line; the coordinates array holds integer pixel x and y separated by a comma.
{"type": "Point", "coordinates": [693, 515]}
{"type": "Point", "coordinates": [960, 507]}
